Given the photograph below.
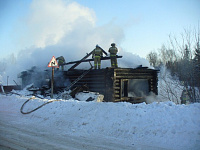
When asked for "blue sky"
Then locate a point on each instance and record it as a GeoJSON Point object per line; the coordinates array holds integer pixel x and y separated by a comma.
{"type": "Point", "coordinates": [144, 25]}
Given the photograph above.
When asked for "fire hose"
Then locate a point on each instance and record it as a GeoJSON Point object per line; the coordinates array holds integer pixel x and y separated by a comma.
{"type": "Point", "coordinates": [33, 97]}
{"type": "Point", "coordinates": [28, 112]}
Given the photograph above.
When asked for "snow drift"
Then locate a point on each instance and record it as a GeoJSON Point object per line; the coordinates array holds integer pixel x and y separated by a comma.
{"type": "Point", "coordinates": [155, 126]}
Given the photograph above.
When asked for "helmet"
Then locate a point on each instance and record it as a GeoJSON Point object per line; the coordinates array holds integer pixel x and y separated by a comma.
{"type": "Point", "coordinates": [113, 44]}
{"type": "Point", "coordinates": [97, 45]}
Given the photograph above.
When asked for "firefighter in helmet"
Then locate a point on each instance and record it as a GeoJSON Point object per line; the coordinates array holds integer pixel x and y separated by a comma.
{"type": "Point", "coordinates": [185, 96]}
{"type": "Point", "coordinates": [113, 52]}
{"type": "Point", "coordinates": [61, 61]}
{"type": "Point", "coordinates": [97, 54]}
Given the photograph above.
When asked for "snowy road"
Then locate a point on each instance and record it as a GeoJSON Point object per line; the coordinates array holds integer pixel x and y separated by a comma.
{"type": "Point", "coordinates": [23, 137]}
{"type": "Point", "coordinates": [13, 137]}
{"type": "Point", "coordinates": [75, 125]}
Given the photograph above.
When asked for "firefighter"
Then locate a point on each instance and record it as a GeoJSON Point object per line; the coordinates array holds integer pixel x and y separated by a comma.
{"type": "Point", "coordinates": [61, 61]}
{"type": "Point", "coordinates": [97, 54]}
{"type": "Point", "coordinates": [185, 97]}
{"type": "Point", "coordinates": [113, 52]}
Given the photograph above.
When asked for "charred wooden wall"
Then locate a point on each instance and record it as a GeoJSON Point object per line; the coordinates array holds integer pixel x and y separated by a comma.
{"type": "Point", "coordinates": [10, 88]}
{"type": "Point", "coordinates": [99, 80]}
{"type": "Point", "coordinates": [121, 74]}
{"type": "Point", "coordinates": [109, 81]}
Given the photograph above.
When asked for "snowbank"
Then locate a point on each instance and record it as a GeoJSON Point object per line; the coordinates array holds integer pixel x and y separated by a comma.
{"type": "Point", "coordinates": [163, 125]}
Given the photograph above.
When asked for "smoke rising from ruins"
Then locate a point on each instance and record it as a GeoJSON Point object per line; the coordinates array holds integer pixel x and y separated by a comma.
{"type": "Point", "coordinates": [58, 28]}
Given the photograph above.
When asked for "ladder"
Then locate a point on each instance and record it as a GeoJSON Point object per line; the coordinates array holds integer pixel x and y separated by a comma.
{"type": "Point", "coordinates": [79, 78]}
{"type": "Point", "coordinates": [75, 81]}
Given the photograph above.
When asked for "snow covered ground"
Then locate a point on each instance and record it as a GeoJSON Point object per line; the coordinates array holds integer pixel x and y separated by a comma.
{"type": "Point", "coordinates": [92, 125]}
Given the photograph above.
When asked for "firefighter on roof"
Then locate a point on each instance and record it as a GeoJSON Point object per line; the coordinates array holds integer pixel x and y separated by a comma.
{"type": "Point", "coordinates": [97, 54]}
{"type": "Point", "coordinates": [61, 61]}
{"type": "Point", "coordinates": [113, 52]}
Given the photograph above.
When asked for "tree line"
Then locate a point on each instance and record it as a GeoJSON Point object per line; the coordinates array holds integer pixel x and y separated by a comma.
{"type": "Point", "coordinates": [182, 58]}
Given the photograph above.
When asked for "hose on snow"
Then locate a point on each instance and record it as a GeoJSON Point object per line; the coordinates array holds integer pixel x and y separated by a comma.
{"type": "Point", "coordinates": [28, 112]}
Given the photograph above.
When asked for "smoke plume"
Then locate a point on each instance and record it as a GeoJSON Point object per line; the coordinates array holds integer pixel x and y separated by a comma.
{"type": "Point", "coordinates": [59, 28]}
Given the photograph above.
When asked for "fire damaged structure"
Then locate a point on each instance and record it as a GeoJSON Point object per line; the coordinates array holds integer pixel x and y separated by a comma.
{"type": "Point", "coordinates": [116, 84]}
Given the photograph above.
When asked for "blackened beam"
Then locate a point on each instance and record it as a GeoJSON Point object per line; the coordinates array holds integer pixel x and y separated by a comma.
{"type": "Point", "coordinates": [78, 62]}
{"type": "Point", "coordinates": [84, 58]}
{"type": "Point", "coordinates": [103, 51]}
{"type": "Point", "coordinates": [87, 60]}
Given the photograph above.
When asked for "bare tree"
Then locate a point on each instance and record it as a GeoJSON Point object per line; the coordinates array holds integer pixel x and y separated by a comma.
{"type": "Point", "coordinates": [185, 67]}
{"type": "Point", "coordinates": [169, 86]}
{"type": "Point", "coordinates": [152, 57]}
{"type": "Point", "coordinates": [182, 58]}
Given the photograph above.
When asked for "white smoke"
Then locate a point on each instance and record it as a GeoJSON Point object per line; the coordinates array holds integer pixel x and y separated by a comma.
{"type": "Point", "coordinates": [130, 60]}
{"type": "Point", "coordinates": [60, 28]}
{"type": "Point", "coordinates": [50, 21]}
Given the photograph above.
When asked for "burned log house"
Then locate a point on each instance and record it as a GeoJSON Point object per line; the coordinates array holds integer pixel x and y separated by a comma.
{"type": "Point", "coordinates": [116, 84]}
{"type": "Point", "coordinates": [119, 84]}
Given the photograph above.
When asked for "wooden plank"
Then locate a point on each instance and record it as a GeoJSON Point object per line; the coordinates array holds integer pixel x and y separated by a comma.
{"type": "Point", "coordinates": [117, 80]}
{"type": "Point", "coordinates": [134, 77]}
{"type": "Point", "coordinates": [103, 51]}
{"type": "Point", "coordinates": [134, 74]}
{"type": "Point", "coordinates": [117, 88]}
{"type": "Point", "coordinates": [116, 96]}
{"type": "Point", "coordinates": [117, 100]}
{"type": "Point", "coordinates": [86, 60]}
{"type": "Point", "coordinates": [117, 84]}
{"type": "Point", "coordinates": [77, 63]}
{"type": "Point", "coordinates": [117, 92]}
{"type": "Point", "coordinates": [145, 69]}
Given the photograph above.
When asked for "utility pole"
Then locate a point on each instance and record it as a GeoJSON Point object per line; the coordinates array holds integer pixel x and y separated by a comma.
{"type": "Point", "coordinates": [7, 80]}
